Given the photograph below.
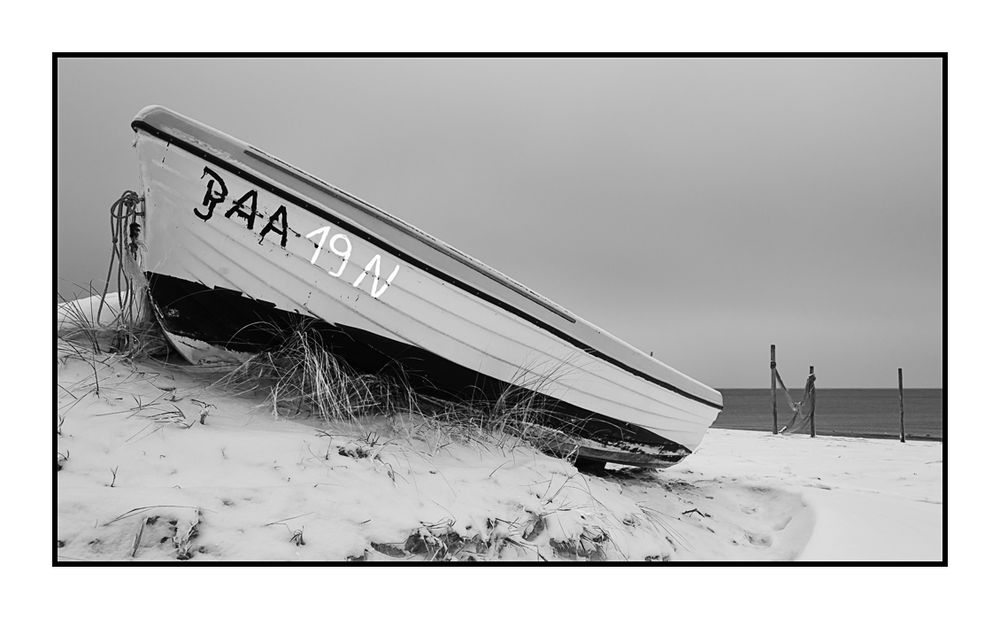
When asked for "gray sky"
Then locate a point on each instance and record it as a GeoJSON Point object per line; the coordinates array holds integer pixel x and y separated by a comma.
{"type": "Point", "coordinates": [698, 208]}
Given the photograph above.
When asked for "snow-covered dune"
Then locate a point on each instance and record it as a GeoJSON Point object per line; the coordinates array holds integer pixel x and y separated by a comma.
{"type": "Point", "coordinates": [88, 312]}
{"type": "Point", "coordinates": [155, 464]}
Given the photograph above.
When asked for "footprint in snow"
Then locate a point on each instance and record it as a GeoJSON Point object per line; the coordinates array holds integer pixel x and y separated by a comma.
{"type": "Point", "coordinates": [758, 540]}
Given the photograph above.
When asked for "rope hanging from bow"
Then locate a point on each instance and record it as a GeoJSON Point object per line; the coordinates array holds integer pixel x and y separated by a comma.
{"type": "Point", "coordinates": [124, 249]}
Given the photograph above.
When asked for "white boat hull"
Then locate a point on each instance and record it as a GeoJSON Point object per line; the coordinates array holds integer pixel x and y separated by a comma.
{"type": "Point", "coordinates": [228, 220]}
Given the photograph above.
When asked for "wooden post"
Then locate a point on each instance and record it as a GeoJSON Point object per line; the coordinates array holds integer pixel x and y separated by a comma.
{"type": "Point", "coordinates": [902, 428]}
{"type": "Point", "coordinates": [774, 394]}
{"type": "Point", "coordinates": [812, 416]}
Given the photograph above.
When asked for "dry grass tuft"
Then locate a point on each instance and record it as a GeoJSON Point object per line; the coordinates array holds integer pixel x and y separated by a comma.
{"type": "Point", "coordinates": [302, 377]}
{"type": "Point", "coordinates": [108, 329]}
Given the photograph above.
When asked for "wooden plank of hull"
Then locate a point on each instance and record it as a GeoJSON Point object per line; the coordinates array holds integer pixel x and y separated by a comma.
{"type": "Point", "coordinates": [417, 308]}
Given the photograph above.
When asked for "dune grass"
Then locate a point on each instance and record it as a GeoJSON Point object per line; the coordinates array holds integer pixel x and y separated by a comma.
{"type": "Point", "coordinates": [302, 377]}
{"type": "Point", "coordinates": [108, 328]}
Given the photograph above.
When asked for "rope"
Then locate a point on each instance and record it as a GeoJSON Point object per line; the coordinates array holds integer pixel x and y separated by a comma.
{"type": "Point", "coordinates": [124, 245]}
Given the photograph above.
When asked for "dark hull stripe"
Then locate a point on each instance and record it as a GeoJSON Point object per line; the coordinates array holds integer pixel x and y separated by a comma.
{"type": "Point", "coordinates": [228, 319]}
{"type": "Point", "coordinates": [327, 215]}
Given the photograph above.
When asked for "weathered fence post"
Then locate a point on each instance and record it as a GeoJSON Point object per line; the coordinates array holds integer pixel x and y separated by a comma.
{"type": "Point", "coordinates": [902, 428]}
{"type": "Point", "coordinates": [774, 397]}
{"type": "Point", "coordinates": [812, 415]}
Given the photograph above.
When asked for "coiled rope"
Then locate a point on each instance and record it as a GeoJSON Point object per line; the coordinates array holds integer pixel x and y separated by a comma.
{"type": "Point", "coordinates": [124, 246]}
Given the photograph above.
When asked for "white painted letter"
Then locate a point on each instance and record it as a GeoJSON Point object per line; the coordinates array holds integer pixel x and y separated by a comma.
{"type": "Point", "coordinates": [377, 293]}
{"type": "Point", "coordinates": [376, 264]}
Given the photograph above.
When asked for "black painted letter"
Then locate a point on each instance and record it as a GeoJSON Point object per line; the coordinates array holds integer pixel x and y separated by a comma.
{"type": "Point", "coordinates": [283, 216]}
{"type": "Point", "coordinates": [238, 208]}
{"type": "Point", "coordinates": [212, 198]}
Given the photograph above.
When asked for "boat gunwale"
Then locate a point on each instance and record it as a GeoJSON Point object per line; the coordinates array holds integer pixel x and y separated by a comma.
{"type": "Point", "coordinates": [327, 214]}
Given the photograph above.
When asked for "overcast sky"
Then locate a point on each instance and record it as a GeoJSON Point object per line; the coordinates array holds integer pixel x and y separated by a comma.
{"type": "Point", "coordinates": [698, 208]}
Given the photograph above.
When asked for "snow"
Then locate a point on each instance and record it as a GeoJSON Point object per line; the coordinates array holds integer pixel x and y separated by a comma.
{"type": "Point", "coordinates": [871, 499]}
{"type": "Point", "coordinates": [157, 464]}
{"type": "Point", "coordinates": [88, 312]}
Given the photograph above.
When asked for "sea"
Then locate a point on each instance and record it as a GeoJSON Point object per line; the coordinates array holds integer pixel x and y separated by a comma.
{"type": "Point", "coordinates": [842, 412]}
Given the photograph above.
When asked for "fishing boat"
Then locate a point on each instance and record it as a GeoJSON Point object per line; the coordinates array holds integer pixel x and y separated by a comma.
{"type": "Point", "coordinates": [234, 241]}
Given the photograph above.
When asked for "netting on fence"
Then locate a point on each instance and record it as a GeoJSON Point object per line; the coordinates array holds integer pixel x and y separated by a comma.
{"type": "Point", "coordinates": [803, 410]}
